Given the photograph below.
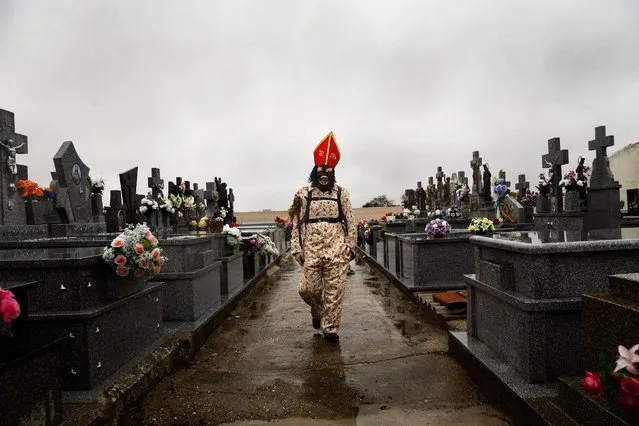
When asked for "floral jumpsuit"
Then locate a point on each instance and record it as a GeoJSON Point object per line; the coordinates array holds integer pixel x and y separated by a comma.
{"type": "Point", "coordinates": [326, 248]}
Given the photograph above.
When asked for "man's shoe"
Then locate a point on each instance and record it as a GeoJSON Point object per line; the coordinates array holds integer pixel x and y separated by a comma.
{"type": "Point", "coordinates": [316, 323]}
{"type": "Point", "coordinates": [331, 337]}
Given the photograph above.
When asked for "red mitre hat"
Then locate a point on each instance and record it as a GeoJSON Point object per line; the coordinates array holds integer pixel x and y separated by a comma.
{"type": "Point", "coordinates": [327, 152]}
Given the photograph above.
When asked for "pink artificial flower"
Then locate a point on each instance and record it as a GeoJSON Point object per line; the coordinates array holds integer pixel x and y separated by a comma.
{"type": "Point", "coordinates": [161, 260]}
{"type": "Point", "coordinates": [145, 263]}
{"type": "Point", "coordinates": [156, 269]}
{"type": "Point", "coordinates": [153, 240]}
{"type": "Point", "coordinates": [139, 249]}
{"type": "Point", "coordinates": [118, 242]}
{"type": "Point", "coordinates": [629, 393]}
{"type": "Point", "coordinates": [120, 260]}
{"type": "Point", "coordinates": [155, 253]}
{"type": "Point", "coordinates": [627, 359]}
{"type": "Point", "coordinates": [592, 384]}
{"type": "Point", "coordinates": [139, 273]}
{"type": "Point", "coordinates": [9, 309]}
{"type": "Point", "coordinates": [5, 293]}
{"type": "Point", "coordinates": [122, 271]}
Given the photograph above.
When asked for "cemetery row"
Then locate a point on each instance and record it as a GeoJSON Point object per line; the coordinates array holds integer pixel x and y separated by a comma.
{"type": "Point", "coordinates": [551, 287]}
{"type": "Point", "coordinates": [87, 290]}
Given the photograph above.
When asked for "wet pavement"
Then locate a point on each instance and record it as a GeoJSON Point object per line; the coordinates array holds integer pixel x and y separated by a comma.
{"type": "Point", "coordinates": [267, 364]}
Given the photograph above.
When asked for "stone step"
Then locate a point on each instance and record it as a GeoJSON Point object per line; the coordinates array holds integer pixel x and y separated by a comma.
{"type": "Point", "coordinates": [585, 410]}
{"type": "Point", "coordinates": [607, 322]}
{"type": "Point", "coordinates": [549, 412]}
{"type": "Point", "coordinates": [625, 285]}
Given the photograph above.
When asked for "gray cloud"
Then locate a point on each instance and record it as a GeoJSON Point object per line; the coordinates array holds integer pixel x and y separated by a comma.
{"type": "Point", "coordinates": [246, 89]}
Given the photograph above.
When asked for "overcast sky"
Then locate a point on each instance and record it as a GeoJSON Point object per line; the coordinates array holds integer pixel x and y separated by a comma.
{"type": "Point", "coordinates": [246, 89]}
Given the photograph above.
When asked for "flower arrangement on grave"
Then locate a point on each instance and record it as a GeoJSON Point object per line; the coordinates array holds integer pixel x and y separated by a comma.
{"type": "Point", "coordinates": [463, 193]}
{"type": "Point", "coordinates": [438, 227]}
{"type": "Point", "coordinates": [148, 204]}
{"type": "Point", "coordinates": [529, 199]}
{"type": "Point", "coordinates": [618, 384]}
{"type": "Point", "coordinates": [201, 224]}
{"type": "Point", "coordinates": [633, 206]}
{"type": "Point", "coordinates": [9, 310]}
{"type": "Point", "coordinates": [481, 225]}
{"type": "Point", "coordinates": [388, 216]}
{"type": "Point", "coordinates": [233, 235]}
{"type": "Point", "coordinates": [262, 244]}
{"type": "Point", "coordinates": [284, 223]}
{"type": "Point", "coordinates": [453, 212]}
{"type": "Point", "coordinates": [135, 252]}
{"type": "Point", "coordinates": [544, 184]}
{"type": "Point", "coordinates": [500, 190]}
{"type": "Point", "coordinates": [97, 185]}
{"type": "Point", "coordinates": [572, 182]}
{"type": "Point", "coordinates": [31, 191]}
{"type": "Point", "coordinates": [437, 214]}
{"type": "Point", "coordinates": [166, 206]}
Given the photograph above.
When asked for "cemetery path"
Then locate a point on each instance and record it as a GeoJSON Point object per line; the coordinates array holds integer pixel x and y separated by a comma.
{"type": "Point", "coordinates": [266, 364]}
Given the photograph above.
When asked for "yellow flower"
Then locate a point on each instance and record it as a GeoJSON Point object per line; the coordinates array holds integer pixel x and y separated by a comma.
{"type": "Point", "coordinates": [472, 228]}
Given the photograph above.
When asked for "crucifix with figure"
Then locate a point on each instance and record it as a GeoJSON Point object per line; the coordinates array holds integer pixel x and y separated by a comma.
{"type": "Point", "coordinates": [555, 158]}
{"type": "Point", "coordinates": [11, 143]}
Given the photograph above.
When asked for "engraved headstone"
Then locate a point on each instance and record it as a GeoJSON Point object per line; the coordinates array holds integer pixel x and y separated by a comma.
{"type": "Point", "coordinates": [128, 185]}
{"type": "Point", "coordinates": [73, 197]}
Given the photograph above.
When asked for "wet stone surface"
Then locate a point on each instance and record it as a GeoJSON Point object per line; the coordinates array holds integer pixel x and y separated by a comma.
{"type": "Point", "coordinates": [267, 363]}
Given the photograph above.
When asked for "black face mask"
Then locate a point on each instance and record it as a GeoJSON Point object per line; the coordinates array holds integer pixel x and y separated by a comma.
{"type": "Point", "coordinates": [323, 180]}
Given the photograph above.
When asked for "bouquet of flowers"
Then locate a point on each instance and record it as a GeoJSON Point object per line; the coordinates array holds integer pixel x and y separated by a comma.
{"type": "Point", "coordinates": [463, 193]}
{"type": "Point", "coordinates": [529, 199]}
{"type": "Point", "coordinates": [9, 310]}
{"type": "Point", "coordinates": [233, 235]}
{"type": "Point", "coordinates": [284, 223]}
{"type": "Point", "coordinates": [135, 252]}
{"type": "Point", "coordinates": [97, 185]}
{"type": "Point", "coordinates": [31, 191]}
{"type": "Point", "coordinates": [167, 206]}
{"type": "Point", "coordinates": [437, 214]}
{"type": "Point", "coordinates": [148, 204]}
{"type": "Point", "coordinates": [618, 386]}
{"type": "Point", "coordinates": [571, 182]}
{"type": "Point", "coordinates": [261, 243]}
{"type": "Point", "coordinates": [453, 212]}
{"type": "Point", "coordinates": [544, 185]}
{"type": "Point", "coordinates": [438, 227]}
{"type": "Point", "coordinates": [481, 226]}
{"type": "Point", "coordinates": [501, 190]}
{"type": "Point", "coordinates": [389, 216]}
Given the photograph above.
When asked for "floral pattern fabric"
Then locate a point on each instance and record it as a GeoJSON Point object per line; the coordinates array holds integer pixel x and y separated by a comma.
{"type": "Point", "coordinates": [326, 248]}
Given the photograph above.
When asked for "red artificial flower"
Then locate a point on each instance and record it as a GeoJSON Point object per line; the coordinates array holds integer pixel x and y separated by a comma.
{"type": "Point", "coordinates": [629, 397]}
{"type": "Point", "coordinates": [233, 225]}
{"type": "Point", "coordinates": [591, 383]}
{"type": "Point", "coordinates": [9, 309]}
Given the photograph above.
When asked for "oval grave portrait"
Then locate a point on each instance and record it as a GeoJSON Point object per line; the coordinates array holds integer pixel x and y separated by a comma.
{"type": "Point", "coordinates": [76, 174]}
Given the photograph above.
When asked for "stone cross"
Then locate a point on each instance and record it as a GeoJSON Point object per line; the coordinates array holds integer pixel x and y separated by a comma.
{"type": "Point", "coordinates": [198, 192]}
{"type": "Point", "coordinates": [601, 173]}
{"type": "Point", "coordinates": [475, 164]}
{"type": "Point", "coordinates": [453, 176]}
{"type": "Point", "coordinates": [210, 195]}
{"type": "Point", "coordinates": [72, 199]}
{"type": "Point", "coordinates": [555, 158]}
{"type": "Point", "coordinates": [128, 184]}
{"type": "Point", "coordinates": [439, 176]}
{"type": "Point", "coordinates": [522, 185]}
{"type": "Point", "coordinates": [502, 175]}
{"type": "Point", "coordinates": [156, 184]}
{"type": "Point", "coordinates": [12, 209]}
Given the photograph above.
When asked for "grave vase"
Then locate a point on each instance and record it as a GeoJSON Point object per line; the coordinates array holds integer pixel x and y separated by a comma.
{"type": "Point", "coordinates": [97, 208]}
{"type": "Point", "coordinates": [120, 287]}
{"type": "Point", "coordinates": [543, 204]}
{"type": "Point", "coordinates": [571, 202]}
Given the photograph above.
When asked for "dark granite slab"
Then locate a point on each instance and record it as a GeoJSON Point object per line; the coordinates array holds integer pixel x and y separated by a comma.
{"type": "Point", "coordinates": [100, 340]}
{"type": "Point", "coordinates": [187, 295]}
{"type": "Point", "coordinates": [233, 273]}
{"type": "Point", "coordinates": [429, 263]}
